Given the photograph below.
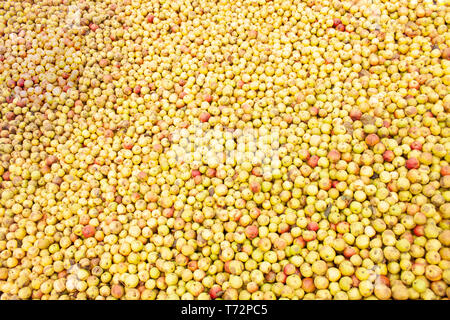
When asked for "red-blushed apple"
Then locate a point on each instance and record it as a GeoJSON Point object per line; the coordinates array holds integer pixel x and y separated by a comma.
{"type": "Point", "coordinates": [392, 186]}
{"type": "Point", "coordinates": [336, 22]}
{"type": "Point", "coordinates": [117, 291]}
{"type": "Point", "coordinates": [356, 281]}
{"type": "Point", "coordinates": [142, 175]}
{"type": "Point", "coordinates": [349, 251]}
{"type": "Point", "coordinates": [445, 170]}
{"type": "Point", "coordinates": [168, 212]}
{"type": "Point", "coordinates": [408, 236]}
{"type": "Point", "coordinates": [412, 163]}
{"type": "Point", "coordinates": [419, 230]}
{"type": "Point", "coordinates": [251, 232]}
{"type": "Point", "coordinates": [313, 226]}
{"type": "Point", "coordinates": [355, 114]}
{"type": "Point", "coordinates": [195, 173]}
{"type": "Point", "coordinates": [270, 277]}
{"type": "Point", "coordinates": [372, 139]}
{"type": "Point", "coordinates": [128, 145]}
{"type": "Point", "coordinates": [88, 231]}
{"type": "Point", "coordinates": [252, 287]}
{"type": "Point", "coordinates": [198, 179]}
{"type": "Point", "coordinates": [334, 156]}
{"type": "Point", "coordinates": [210, 172]}
{"type": "Point", "coordinates": [204, 116]}
{"type": "Point", "coordinates": [312, 162]}
{"type": "Point", "coordinates": [308, 285]}
{"type": "Point", "coordinates": [300, 242]}
{"type": "Point", "coordinates": [416, 145]}
{"type": "Point", "coordinates": [309, 235]}
{"type": "Point", "coordinates": [257, 171]}
{"type": "Point", "coordinates": [255, 187]}
{"type": "Point", "coordinates": [385, 280]}
{"type": "Point", "coordinates": [388, 155]}
{"type": "Point", "coordinates": [289, 269]}
{"type": "Point", "coordinates": [215, 291]}
{"type": "Point", "coordinates": [303, 154]}
{"type": "Point", "coordinates": [21, 82]}
{"type": "Point", "coordinates": [280, 277]}
{"type": "Point", "coordinates": [10, 115]}
{"type": "Point", "coordinates": [6, 176]}
{"type": "Point", "coordinates": [93, 27]}
{"type": "Point", "coordinates": [208, 98]}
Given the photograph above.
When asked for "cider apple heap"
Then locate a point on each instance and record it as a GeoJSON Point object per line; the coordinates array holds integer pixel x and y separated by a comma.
{"type": "Point", "coordinates": [199, 149]}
